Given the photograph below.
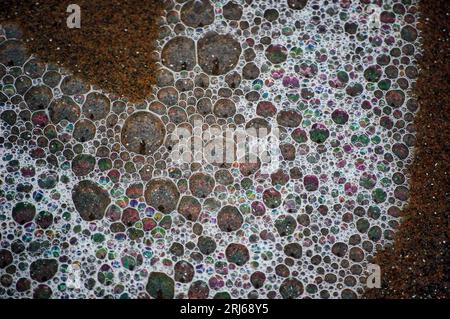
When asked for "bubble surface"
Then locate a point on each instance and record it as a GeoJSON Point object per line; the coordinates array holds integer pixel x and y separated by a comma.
{"type": "Point", "coordinates": [94, 204]}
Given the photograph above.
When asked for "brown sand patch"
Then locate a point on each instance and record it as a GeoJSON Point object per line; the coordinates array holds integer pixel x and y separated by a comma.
{"type": "Point", "coordinates": [113, 48]}
{"type": "Point", "coordinates": [418, 264]}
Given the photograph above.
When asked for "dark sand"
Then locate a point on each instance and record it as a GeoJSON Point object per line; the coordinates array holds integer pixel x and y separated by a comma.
{"type": "Point", "coordinates": [418, 264]}
{"type": "Point", "coordinates": [101, 52]}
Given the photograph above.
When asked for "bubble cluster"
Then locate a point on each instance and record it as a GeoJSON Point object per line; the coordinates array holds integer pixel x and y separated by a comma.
{"type": "Point", "coordinates": [93, 204]}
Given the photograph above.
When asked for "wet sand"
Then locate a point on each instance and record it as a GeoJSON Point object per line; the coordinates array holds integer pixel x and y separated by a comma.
{"type": "Point", "coordinates": [418, 263]}
{"type": "Point", "coordinates": [113, 49]}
